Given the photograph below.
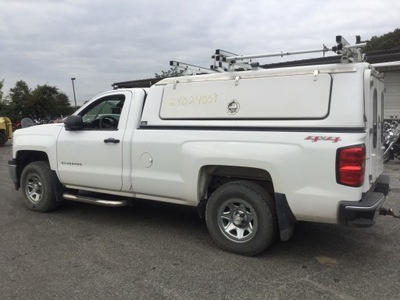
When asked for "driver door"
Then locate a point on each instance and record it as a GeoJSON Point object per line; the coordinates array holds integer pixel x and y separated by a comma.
{"type": "Point", "coordinates": [92, 157]}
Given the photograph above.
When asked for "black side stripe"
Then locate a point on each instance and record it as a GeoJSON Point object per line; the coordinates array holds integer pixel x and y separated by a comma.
{"type": "Point", "coordinates": [258, 128]}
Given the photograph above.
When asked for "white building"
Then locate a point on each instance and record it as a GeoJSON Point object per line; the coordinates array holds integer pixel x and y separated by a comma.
{"type": "Point", "coordinates": [392, 87]}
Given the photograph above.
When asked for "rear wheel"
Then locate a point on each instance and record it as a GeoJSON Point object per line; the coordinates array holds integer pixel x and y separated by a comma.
{"type": "Point", "coordinates": [241, 218]}
{"type": "Point", "coordinates": [37, 187]}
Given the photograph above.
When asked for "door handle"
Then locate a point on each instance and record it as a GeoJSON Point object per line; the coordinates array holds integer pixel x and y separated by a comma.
{"type": "Point", "coordinates": [111, 140]}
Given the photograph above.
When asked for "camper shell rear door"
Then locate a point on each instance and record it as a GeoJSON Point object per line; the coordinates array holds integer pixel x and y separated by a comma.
{"type": "Point", "coordinates": [374, 107]}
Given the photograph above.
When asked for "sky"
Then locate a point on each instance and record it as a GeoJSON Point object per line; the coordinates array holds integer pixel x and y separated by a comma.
{"type": "Point", "coordinates": [100, 42]}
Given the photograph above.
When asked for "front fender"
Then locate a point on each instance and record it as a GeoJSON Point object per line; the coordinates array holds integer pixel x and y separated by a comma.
{"type": "Point", "coordinates": [40, 138]}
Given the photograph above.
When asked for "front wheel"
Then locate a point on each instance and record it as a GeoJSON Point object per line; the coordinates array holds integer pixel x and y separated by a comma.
{"type": "Point", "coordinates": [37, 187]}
{"type": "Point", "coordinates": [241, 218]}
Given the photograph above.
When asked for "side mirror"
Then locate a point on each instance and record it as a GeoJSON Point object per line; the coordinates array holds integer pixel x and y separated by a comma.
{"type": "Point", "coordinates": [73, 123]}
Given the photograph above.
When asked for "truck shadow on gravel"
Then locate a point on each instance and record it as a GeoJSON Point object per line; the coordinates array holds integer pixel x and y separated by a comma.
{"type": "Point", "coordinates": [312, 242]}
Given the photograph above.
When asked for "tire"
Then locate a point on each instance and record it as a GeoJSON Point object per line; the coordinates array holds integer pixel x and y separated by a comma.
{"type": "Point", "coordinates": [3, 139]}
{"type": "Point", "coordinates": [38, 188]}
{"type": "Point", "coordinates": [241, 218]}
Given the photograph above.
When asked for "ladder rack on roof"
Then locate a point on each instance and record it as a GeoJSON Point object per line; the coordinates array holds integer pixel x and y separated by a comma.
{"type": "Point", "coordinates": [228, 61]}
{"type": "Point", "coordinates": [187, 67]}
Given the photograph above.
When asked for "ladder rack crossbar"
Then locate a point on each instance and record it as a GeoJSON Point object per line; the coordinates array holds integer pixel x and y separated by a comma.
{"type": "Point", "coordinates": [224, 53]}
{"type": "Point", "coordinates": [355, 46]}
{"type": "Point", "coordinates": [190, 66]}
{"type": "Point", "coordinates": [252, 56]}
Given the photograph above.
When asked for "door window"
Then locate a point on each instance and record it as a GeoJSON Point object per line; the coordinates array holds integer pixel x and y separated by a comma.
{"type": "Point", "coordinates": [103, 114]}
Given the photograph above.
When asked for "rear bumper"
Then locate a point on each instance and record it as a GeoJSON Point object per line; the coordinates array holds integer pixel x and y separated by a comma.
{"type": "Point", "coordinates": [362, 213]}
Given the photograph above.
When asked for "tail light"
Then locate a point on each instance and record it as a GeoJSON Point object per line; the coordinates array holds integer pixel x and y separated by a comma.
{"type": "Point", "coordinates": [350, 165]}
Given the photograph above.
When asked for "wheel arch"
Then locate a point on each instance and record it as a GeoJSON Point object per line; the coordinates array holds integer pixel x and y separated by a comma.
{"type": "Point", "coordinates": [213, 176]}
{"type": "Point", "coordinates": [24, 157]}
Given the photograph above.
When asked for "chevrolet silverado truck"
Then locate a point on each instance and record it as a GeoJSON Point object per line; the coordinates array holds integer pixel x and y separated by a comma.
{"type": "Point", "coordinates": [255, 151]}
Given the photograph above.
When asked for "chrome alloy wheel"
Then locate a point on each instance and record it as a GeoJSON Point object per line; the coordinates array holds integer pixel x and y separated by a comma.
{"type": "Point", "coordinates": [34, 188]}
{"type": "Point", "coordinates": [237, 220]}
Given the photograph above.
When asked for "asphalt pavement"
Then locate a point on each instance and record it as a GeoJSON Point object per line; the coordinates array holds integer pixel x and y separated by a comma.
{"type": "Point", "coordinates": [161, 251]}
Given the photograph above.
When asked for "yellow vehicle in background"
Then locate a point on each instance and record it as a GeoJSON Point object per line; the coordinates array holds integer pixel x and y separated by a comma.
{"type": "Point", "coordinates": [5, 130]}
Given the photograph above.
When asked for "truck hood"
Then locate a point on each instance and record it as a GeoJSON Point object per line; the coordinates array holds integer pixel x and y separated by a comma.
{"type": "Point", "coordinates": [37, 138]}
{"type": "Point", "coordinates": [45, 129]}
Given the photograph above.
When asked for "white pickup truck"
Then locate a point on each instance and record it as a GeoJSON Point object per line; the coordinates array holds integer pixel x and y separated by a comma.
{"type": "Point", "coordinates": [255, 151]}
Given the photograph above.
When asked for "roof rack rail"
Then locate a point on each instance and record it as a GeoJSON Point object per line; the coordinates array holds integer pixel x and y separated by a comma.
{"type": "Point", "coordinates": [225, 61]}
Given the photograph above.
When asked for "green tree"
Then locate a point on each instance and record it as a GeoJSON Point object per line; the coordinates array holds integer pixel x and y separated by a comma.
{"type": "Point", "coordinates": [21, 100]}
{"type": "Point", "coordinates": [49, 102]}
{"type": "Point", "coordinates": [388, 41]}
{"type": "Point", "coordinates": [62, 105]}
{"type": "Point", "coordinates": [1, 91]}
{"type": "Point", "coordinates": [44, 102]}
{"type": "Point", "coordinates": [2, 104]}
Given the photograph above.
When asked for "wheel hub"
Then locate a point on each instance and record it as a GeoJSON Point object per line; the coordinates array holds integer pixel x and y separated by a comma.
{"type": "Point", "coordinates": [35, 187]}
{"type": "Point", "coordinates": [239, 218]}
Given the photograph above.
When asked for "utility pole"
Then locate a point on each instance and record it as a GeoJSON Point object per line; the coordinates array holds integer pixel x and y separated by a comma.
{"type": "Point", "coordinates": [73, 88]}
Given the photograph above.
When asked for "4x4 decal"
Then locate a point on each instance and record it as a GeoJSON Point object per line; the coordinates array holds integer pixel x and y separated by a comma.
{"type": "Point", "coordinates": [333, 139]}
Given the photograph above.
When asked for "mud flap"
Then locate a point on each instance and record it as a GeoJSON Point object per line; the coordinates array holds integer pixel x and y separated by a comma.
{"type": "Point", "coordinates": [286, 219]}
